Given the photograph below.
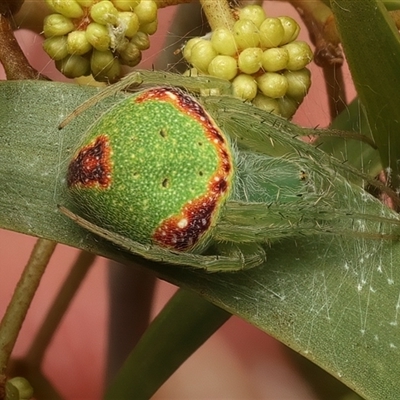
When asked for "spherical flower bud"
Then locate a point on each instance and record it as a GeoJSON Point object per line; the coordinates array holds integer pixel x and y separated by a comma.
{"type": "Point", "coordinates": [131, 55]}
{"type": "Point", "coordinates": [141, 41]}
{"type": "Point", "coordinates": [249, 60]}
{"type": "Point", "coordinates": [254, 13]}
{"type": "Point", "coordinates": [56, 47]}
{"type": "Point", "coordinates": [105, 66]}
{"type": "Point", "coordinates": [287, 106]}
{"type": "Point", "coordinates": [125, 5]}
{"type": "Point", "coordinates": [73, 66]}
{"type": "Point", "coordinates": [77, 43]}
{"type": "Point", "coordinates": [85, 3]}
{"type": "Point", "coordinates": [245, 87]}
{"type": "Point", "coordinates": [57, 25]}
{"type": "Point", "coordinates": [272, 84]}
{"type": "Point", "coordinates": [149, 28]}
{"type": "Point", "coordinates": [113, 74]}
{"type": "Point", "coordinates": [187, 50]}
{"type": "Point", "coordinates": [24, 388]}
{"type": "Point", "coordinates": [224, 67]}
{"type": "Point", "coordinates": [271, 32]}
{"type": "Point", "coordinates": [104, 13]}
{"type": "Point", "coordinates": [146, 11]}
{"type": "Point", "coordinates": [68, 8]}
{"type": "Point", "coordinates": [201, 55]}
{"type": "Point", "coordinates": [291, 30]}
{"type": "Point", "coordinates": [275, 59]}
{"type": "Point", "coordinates": [129, 23]}
{"type": "Point", "coordinates": [97, 35]}
{"type": "Point", "coordinates": [122, 44]}
{"type": "Point", "coordinates": [300, 54]}
{"type": "Point", "coordinates": [267, 104]}
{"type": "Point", "coordinates": [246, 34]}
{"type": "Point", "coordinates": [224, 42]}
{"type": "Point", "coordinates": [299, 82]}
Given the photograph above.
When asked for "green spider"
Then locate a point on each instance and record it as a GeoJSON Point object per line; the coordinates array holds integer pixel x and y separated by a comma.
{"type": "Point", "coordinates": [207, 182]}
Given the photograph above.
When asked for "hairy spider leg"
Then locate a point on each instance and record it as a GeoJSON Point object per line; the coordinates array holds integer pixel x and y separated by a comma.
{"type": "Point", "coordinates": [260, 222]}
{"type": "Point", "coordinates": [274, 135]}
{"type": "Point", "coordinates": [151, 78]}
{"type": "Point", "coordinates": [235, 260]}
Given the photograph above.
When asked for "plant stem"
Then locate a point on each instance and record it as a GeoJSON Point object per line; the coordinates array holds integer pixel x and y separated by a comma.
{"type": "Point", "coordinates": [167, 3]}
{"type": "Point", "coordinates": [184, 324]}
{"type": "Point", "coordinates": [218, 13]}
{"type": "Point", "coordinates": [335, 88]}
{"type": "Point", "coordinates": [320, 22]}
{"type": "Point", "coordinates": [59, 307]}
{"type": "Point", "coordinates": [30, 365]}
{"type": "Point", "coordinates": [321, 25]}
{"type": "Point", "coordinates": [23, 294]}
{"type": "Point", "coordinates": [13, 59]}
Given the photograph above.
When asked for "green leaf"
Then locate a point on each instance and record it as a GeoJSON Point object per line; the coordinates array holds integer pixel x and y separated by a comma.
{"type": "Point", "coordinates": [372, 46]}
{"type": "Point", "coordinates": [389, 4]}
{"type": "Point", "coordinates": [352, 151]}
{"type": "Point", "coordinates": [331, 297]}
{"type": "Point", "coordinates": [184, 324]}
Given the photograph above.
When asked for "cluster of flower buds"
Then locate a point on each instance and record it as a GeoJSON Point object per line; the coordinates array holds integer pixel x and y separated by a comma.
{"type": "Point", "coordinates": [262, 58]}
{"type": "Point", "coordinates": [95, 37]}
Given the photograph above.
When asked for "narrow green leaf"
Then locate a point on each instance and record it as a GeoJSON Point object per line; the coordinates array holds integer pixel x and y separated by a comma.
{"type": "Point", "coordinates": [390, 5]}
{"type": "Point", "coordinates": [352, 151]}
{"type": "Point", "coordinates": [184, 324]}
{"type": "Point", "coordinates": [332, 297]}
{"type": "Point", "coordinates": [372, 47]}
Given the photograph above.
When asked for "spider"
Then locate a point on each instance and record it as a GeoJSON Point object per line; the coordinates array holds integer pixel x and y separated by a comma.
{"type": "Point", "coordinates": [205, 181]}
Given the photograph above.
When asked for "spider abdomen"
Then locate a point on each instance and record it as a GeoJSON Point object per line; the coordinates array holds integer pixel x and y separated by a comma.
{"type": "Point", "coordinates": [155, 168]}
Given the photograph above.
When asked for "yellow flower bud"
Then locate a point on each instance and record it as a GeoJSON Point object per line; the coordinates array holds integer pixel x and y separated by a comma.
{"type": "Point", "coordinates": [104, 13]}
{"type": "Point", "coordinates": [56, 47]}
{"type": "Point", "coordinates": [57, 25]}
{"type": "Point", "coordinates": [68, 8]}
{"type": "Point", "coordinates": [77, 43]}
{"type": "Point", "coordinates": [97, 35]}
{"type": "Point", "coordinates": [73, 66]}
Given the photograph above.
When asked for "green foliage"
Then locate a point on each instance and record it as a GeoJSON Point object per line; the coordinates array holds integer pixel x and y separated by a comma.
{"type": "Point", "coordinates": [331, 293]}
{"type": "Point", "coordinates": [376, 82]}
{"type": "Point", "coordinates": [347, 286]}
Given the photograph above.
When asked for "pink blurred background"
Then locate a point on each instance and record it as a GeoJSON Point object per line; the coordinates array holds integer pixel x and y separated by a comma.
{"type": "Point", "coordinates": [238, 362]}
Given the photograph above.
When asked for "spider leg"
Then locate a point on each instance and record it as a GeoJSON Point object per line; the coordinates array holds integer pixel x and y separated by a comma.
{"type": "Point", "coordinates": [260, 222]}
{"type": "Point", "coordinates": [251, 254]}
{"type": "Point", "coordinates": [256, 129]}
{"type": "Point", "coordinates": [152, 78]}
{"type": "Point", "coordinates": [244, 222]}
{"type": "Point", "coordinates": [227, 261]}
{"type": "Point", "coordinates": [273, 135]}
{"type": "Point", "coordinates": [129, 80]}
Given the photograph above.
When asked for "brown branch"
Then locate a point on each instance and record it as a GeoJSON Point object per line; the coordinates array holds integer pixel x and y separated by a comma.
{"type": "Point", "coordinates": [328, 54]}
{"type": "Point", "coordinates": [20, 302]}
{"type": "Point", "coordinates": [167, 3]}
{"type": "Point", "coordinates": [13, 59]}
{"type": "Point", "coordinates": [321, 24]}
{"type": "Point", "coordinates": [59, 307]}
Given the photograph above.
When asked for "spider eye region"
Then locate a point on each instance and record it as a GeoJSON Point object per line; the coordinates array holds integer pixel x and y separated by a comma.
{"type": "Point", "coordinates": [155, 168]}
